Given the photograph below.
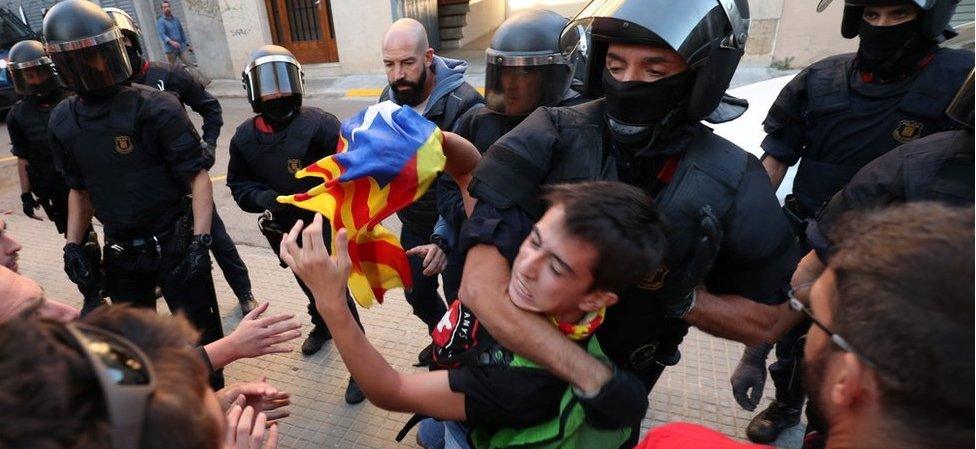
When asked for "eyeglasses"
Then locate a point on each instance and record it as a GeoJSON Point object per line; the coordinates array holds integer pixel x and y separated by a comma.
{"type": "Point", "coordinates": [842, 343]}
{"type": "Point", "coordinates": [126, 377]}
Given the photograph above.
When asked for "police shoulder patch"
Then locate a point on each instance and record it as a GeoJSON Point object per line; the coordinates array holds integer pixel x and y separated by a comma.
{"type": "Point", "coordinates": [907, 130]}
{"type": "Point", "coordinates": [123, 144]}
{"type": "Point", "coordinates": [294, 165]}
{"type": "Point", "coordinates": [654, 281]}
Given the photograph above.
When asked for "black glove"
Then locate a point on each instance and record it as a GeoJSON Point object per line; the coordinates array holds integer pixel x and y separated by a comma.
{"type": "Point", "coordinates": [77, 268]}
{"type": "Point", "coordinates": [621, 402]}
{"type": "Point", "coordinates": [30, 204]}
{"type": "Point", "coordinates": [196, 261]}
{"type": "Point", "coordinates": [269, 201]}
{"type": "Point", "coordinates": [679, 288]}
{"type": "Point", "coordinates": [750, 374]}
{"type": "Point", "coordinates": [209, 152]}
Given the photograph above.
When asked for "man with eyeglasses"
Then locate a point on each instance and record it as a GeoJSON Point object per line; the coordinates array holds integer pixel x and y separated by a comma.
{"type": "Point", "coordinates": [889, 357]}
{"type": "Point", "coordinates": [889, 360]}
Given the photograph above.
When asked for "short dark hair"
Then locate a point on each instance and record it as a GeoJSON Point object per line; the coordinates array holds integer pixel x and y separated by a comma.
{"type": "Point", "coordinates": [620, 221]}
{"type": "Point", "coordinates": [905, 300]}
{"type": "Point", "coordinates": [50, 396]}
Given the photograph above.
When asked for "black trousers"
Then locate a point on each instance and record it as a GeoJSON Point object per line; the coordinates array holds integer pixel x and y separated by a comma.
{"type": "Point", "coordinates": [133, 271]}
{"type": "Point", "coordinates": [224, 251]}
{"type": "Point", "coordinates": [274, 238]}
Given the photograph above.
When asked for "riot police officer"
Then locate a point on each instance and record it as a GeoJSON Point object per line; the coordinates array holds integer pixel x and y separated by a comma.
{"type": "Point", "coordinates": [130, 155]}
{"type": "Point", "coordinates": [36, 81]}
{"type": "Point", "coordinates": [176, 79]}
{"type": "Point", "coordinates": [525, 69]}
{"type": "Point", "coordinates": [836, 116]}
{"type": "Point", "coordinates": [269, 148]}
{"type": "Point", "coordinates": [662, 67]}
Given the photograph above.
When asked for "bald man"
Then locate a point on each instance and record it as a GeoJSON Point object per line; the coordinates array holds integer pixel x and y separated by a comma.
{"type": "Point", "coordinates": [434, 87]}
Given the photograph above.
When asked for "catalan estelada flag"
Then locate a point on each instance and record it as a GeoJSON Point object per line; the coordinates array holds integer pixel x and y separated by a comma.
{"type": "Point", "coordinates": [386, 159]}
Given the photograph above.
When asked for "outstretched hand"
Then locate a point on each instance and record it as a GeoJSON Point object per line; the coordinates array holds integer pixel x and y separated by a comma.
{"type": "Point", "coordinates": [434, 259]}
{"type": "Point", "coordinates": [260, 395]}
{"type": "Point", "coordinates": [325, 275]}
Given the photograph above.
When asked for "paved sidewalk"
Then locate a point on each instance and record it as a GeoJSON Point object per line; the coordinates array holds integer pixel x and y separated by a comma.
{"type": "Point", "coordinates": [697, 390]}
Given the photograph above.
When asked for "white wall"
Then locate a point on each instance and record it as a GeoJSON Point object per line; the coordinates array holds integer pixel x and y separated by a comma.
{"type": "Point", "coordinates": [246, 27]}
{"type": "Point", "coordinates": [484, 17]}
{"type": "Point", "coordinates": [360, 26]}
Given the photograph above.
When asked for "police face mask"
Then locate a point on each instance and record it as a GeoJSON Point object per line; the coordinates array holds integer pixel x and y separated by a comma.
{"type": "Point", "coordinates": [635, 108]}
{"type": "Point", "coordinates": [890, 51]}
{"type": "Point", "coordinates": [639, 103]}
{"type": "Point", "coordinates": [280, 110]}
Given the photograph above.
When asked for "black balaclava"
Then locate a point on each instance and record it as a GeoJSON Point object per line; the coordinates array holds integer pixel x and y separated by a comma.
{"type": "Point", "coordinates": [891, 51]}
{"type": "Point", "coordinates": [99, 96]}
{"type": "Point", "coordinates": [635, 109]}
{"type": "Point", "coordinates": [412, 96]}
{"type": "Point", "coordinates": [280, 111]}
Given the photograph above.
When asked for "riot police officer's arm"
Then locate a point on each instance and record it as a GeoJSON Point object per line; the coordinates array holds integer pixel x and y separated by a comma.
{"type": "Point", "coordinates": [757, 257]}
{"type": "Point", "coordinates": [203, 206]}
{"type": "Point", "coordinates": [252, 196]}
{"type": "Point", "coordinates": [484, 288]}
{"type": "Point", "coordinates": [195, 95]}
{"type": "Point", "coordinates": [785, 126]}
{"type": "Point", "coordinates": [79, 215]}
{"type": "Point", "coordinates": [775, 169]}
{"type": "Point", "coordinates": [18, 143]}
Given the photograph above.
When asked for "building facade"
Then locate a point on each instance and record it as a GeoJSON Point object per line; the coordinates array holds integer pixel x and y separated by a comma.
{"type": "Point", "coordinates": [342, 37]}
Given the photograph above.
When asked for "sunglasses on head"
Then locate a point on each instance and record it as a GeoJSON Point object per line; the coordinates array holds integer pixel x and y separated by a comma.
{"type": "Point", "coordinates": [126, 377]}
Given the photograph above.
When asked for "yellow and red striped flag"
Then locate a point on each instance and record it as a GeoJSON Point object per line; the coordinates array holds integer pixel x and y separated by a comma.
{"type": "Point", "coordinates": [387, 157]}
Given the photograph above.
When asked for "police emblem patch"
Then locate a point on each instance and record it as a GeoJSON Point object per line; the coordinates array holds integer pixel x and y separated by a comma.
{"type": "Point", "coordinates": [656, 280]}
{"type": "Point", "coordinates": [906, 131]}
{"type": "Point", "coordinates": [294, 165]}
{"type": "Point", "coordinates": [123, 144]}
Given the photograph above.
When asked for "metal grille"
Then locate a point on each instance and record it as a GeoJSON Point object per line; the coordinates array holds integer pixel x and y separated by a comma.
{"type": "Point", "coordinates": [304, 20]}
{"type": "Point", "coordinates": [964, 13]}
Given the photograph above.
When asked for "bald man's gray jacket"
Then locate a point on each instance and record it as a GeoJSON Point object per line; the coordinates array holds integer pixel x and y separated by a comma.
{"type": "Point", "coordinates": [449, 100]}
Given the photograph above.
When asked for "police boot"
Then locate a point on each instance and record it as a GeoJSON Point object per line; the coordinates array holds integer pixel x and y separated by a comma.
{"type": "Point", "coordinates": [353, 394]}
{"type": "Point", "coordinates": [770, 423]}
{"type": "Point", "coordinates": [247, 303]}
{"type": "Point", "coordinates": [91, 303]}
{"type": "Point", "coordinates": [315, 340]}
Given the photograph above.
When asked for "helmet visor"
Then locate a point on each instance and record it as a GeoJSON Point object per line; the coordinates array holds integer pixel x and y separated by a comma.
{"type": "Point", "coordinates": [274, 79]}
{"type": "Point", "coordinates": [520, 89]}
{"type": "Point", "coordinates": [95, 67]}
{"type": "Point", "coordinates": [30, 79]}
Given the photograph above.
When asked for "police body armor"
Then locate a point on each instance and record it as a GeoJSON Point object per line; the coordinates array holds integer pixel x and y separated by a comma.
{"type": "Point", "coordinates": [708, 173]}
{"type": "Point", "coordinates": [921, 111]}
{"type": "Point", "coordinates": [33, 120]}
{"type": "Point", "coordinates": [275, 158]}
{"type": "Point", "coordinates": [136, 194]}
{"type": "Point", "coordinates": [944, 172]}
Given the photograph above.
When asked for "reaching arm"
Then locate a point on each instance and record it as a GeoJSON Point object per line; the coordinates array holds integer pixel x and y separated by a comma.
{"type": "Point", "coordinates": [424, 393]}
{"type": "Point", "coordinates": [202, 102]}
{"type": "Point", "coordinates": [203, 206]}
{"type": "Point", "coordinates": [79, 215]}
{"type": "Point", "coordinates": [484, 289]}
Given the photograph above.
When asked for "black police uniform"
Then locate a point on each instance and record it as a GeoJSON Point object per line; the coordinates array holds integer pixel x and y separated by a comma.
{"type": "Point", "coordinates": [687, 170]}
{"type": "Point", "coordinates": [135, 155]}
{"type": "Point", "coordinates": [177, 80]}
{"type": "Point", "coordinates": [420, 218]}
{"type": "Point", "coordinates": [262, 166]}
{"type": "Point", "coordinates": [938, 168]}
{"type": "Point", "coordinates": [834, 122]}
{"type": "Point", "coordinates": [27, 125]}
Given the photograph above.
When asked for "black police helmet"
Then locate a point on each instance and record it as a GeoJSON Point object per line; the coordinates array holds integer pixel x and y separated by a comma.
{"type": "Point", "coordinates": [31, 70]}
{"type": "Point", "coordinates": [709, 34]}
{"type": "Point", "coordinates": [934, 16]}
{"type": "Point", "coordinates": [526, 67]}
{"type": "Point", "coordinates": [273, 72]}
{"type": "Point", "coordinates": [86, 46]}
{"type": "Point", "coordinates": [130, 29]}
